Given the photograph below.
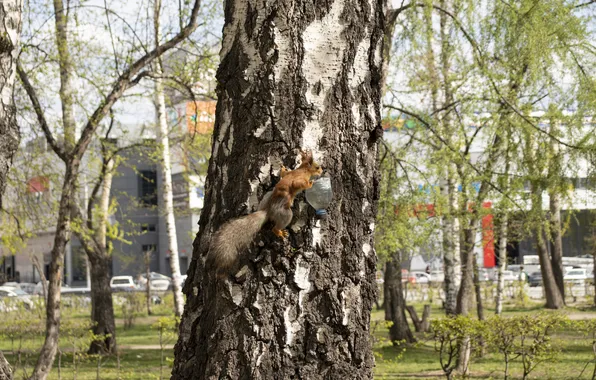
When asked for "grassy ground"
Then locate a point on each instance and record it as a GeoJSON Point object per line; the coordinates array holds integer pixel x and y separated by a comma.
{"type": "Point", "coordinates": [141, 357]}
{"type": "Point", "coordinates": [421, 361]}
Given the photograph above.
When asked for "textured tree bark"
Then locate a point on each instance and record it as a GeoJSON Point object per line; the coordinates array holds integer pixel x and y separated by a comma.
{"type": "Point", "coordinates": [399, 332]}
{"type": "Point", "coordinates": [10, 30]}
{"type": "Point", "coordinates": [163, 141]}
{"type": "Point", "coordinates": [291, 76]}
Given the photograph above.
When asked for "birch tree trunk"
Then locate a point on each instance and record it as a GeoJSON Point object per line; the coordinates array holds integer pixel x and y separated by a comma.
{"type": "Point", "coordinates": [451, 247]}
{"type": "Point", "coordinates": [166, 172]}
{"type": "Point", "coordinates": [5, 369]}
{"type": "Point", "coordinates": [291, 77]}
{"type": "Point", "coordinates": [502, 262]}
{"type": "Point", "coordinates": [10, 31]}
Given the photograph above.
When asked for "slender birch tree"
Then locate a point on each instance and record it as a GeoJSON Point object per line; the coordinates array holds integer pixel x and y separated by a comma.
{"type": "Point", "coordinates": [163, 146]}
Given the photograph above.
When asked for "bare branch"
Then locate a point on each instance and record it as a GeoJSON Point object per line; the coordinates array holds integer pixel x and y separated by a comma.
{"type": "Point", "coordinates": [56, 147]}
{"type": "Point", "coordinates": [129, 78]}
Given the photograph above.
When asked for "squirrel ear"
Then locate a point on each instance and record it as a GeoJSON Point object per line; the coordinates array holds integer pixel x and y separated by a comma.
{"type": "Point", "coordinates": [306, 156]}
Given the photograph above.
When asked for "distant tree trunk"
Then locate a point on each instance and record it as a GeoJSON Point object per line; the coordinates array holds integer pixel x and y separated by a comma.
{"type": "Point", "coordinates": [94, 242]}
{"type": "Point", "coordinates": [10, 28]}
{"type": "Point", "coordinates": [502, 262]}
{"type": "Point", "coordinates": [554, 299]}
{"type": "Point", "coordinates": [478, 289]}
{"type": "Point", "coordinates": [102, 306]}
{"type": "Point", "coordinates": [557, 240]}
{"type": "Point", "coordinates": [466, 289]}
{"type": "Point", "coordinates": [147, 259]}
{"type": "Point", "coordinates": [166, 172]}
{"type": "Point", "coordinates": [5, 369]}
{"type": "Point", "coordinates": [387, 298]}
{"type": "Point", "coordinates": [451, 256]}
{"type": "Point", "coordinates": [421, 325]}
{"type": "Point", "coordinates": [291, 77]}
{"type": "Point", "coordinates": [48, 351]}
{"type": "Point", "coordinates": [594, 277]}
{"type": "Point", "coordinates": [399, 332]}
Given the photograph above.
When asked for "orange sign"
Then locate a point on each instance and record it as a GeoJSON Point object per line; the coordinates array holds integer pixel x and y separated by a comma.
{"type": "Point", "coordinates": [200, 116]}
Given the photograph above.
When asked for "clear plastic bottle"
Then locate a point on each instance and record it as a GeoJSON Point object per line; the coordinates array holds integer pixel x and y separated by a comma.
{"type": "Point", "coordinates": [319, 196]}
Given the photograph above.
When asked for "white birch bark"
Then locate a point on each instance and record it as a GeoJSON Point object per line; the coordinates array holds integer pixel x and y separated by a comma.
{"type": "Point", "coordinates": [10, 28]}
{"type": "Point", "coordinates": [166, 172]}
{"type": "Point", "coordinates": [502, 263]}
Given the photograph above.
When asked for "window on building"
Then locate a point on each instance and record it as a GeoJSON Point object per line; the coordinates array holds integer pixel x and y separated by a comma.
{"type": "Point", "coordinates": [148, 188]}
{"type": "Point", "coordinates": [148, 228]}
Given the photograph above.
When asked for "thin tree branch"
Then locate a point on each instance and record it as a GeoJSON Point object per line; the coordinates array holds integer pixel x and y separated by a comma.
{"type": "Point", "coordinates": [56, 147]}
{"type": "Point", "coordinates": [128, 79]}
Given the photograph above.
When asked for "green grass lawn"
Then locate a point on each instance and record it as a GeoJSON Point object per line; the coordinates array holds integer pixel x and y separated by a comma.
{"type": "Point", "coordinates": [419, 361]}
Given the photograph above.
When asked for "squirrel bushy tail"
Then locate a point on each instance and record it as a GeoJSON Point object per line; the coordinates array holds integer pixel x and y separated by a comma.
{"type": "Point", "coordinates": [232, 238]}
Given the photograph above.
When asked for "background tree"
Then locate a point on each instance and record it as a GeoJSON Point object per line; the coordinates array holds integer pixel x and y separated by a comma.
{"type": "Point", "coordinates": [71, 148]}
{"type": "Point", "coordinates": [10, 30]}
{"type": "Point", "coordinates": [285, 73]}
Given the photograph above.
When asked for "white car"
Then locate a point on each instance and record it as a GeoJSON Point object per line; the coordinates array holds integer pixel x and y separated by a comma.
{"type": "Point", "coordinates": [510, 276]}
{"type": "Point", "coordinates": [437, 276]}
{"type": "Point", "coordinates": [14, 296]}
{"type": "Point", "coordinates": [159, 282]}
{"type": "Point", "coordinates": [419, 278]}
{"type": "Point", "coordinates": [576, 275]}
{"type": "Point", "coordinates": [122, 283]}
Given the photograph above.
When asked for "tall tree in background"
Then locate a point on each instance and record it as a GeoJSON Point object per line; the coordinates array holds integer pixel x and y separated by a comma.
{"type": "Point", "coordinates": [10, 30]}
{"type": "Point", "coordinates": [291, 77]}
{"type": "Point", "coordinates": [71, 148]}
{"type": "Point", "coordinates": [163, 144]}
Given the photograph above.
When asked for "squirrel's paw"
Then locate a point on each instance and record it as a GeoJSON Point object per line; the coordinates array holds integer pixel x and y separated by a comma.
{"type": "Point", "coordinates": [281, 233]}
{"type": "Point", "coordinates": [283, 171]}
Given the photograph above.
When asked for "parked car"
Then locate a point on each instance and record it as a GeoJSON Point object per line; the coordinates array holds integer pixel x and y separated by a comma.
{"type": "Point", "coordinates": [576, 276]}
{"type": "Point", "coordinates": [419, 278]}
{"type": "Point", "coordinates": [14, 296]}
{"type": "Point", "coordinates": [590, 278]}
{"type": "Point", "coordinates": [24, 286]}
{"type": "Point", "coordinates": [535, 279]}
{"type": "Point", "coordinates": [437, 276]}
{"type": "Point", "coordinates": [159, 282]}
{"type": "Point", "coordinates": [510, 276]}
{"type": "Point", "coordinates": [122, 283]}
